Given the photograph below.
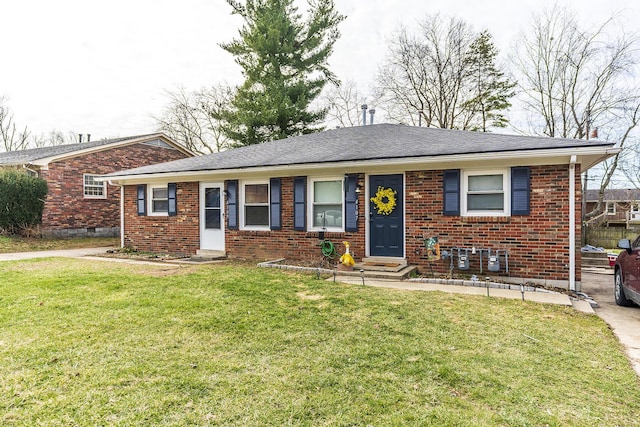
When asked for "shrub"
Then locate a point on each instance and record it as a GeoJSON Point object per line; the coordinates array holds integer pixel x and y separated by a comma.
{"type": "Point", "coordinates": [21, 201]}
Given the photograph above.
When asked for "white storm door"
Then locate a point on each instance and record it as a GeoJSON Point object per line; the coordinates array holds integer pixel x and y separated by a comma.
{"type": "Point", "coordinates": [212, 216]}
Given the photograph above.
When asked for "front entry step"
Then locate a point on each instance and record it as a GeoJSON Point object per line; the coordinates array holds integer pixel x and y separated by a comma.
{"type": "Point", "coordinates": [402, 274]}
{"type": "Point", "coordinates": [208, 255]}
{"type": "Point", "coordinates": [379, 263]}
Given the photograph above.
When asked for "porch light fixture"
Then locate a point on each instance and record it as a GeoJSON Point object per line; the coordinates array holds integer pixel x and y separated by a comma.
{"type": "Point", "coordinates": [358, 188]}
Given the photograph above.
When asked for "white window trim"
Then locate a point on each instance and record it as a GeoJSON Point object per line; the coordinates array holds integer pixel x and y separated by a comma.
{"type": "Point", "coordinates": [607, 208]}
{"type": "Point", "coordinates": [84, 187]}
{"type": "Point", "coordinates": [243, 184]}
{"type": "Point", "coordinates": [506, 188]}
{"type": "Point", "coordinates": [310, 187]}
{"type": "Point", "coordinates": [150, 211]}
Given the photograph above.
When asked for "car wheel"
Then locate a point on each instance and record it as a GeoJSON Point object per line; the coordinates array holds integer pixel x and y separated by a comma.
{"type": "Point", "coordinates": [621, 299]}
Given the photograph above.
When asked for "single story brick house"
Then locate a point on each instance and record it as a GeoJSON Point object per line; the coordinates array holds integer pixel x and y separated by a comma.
{"type": "Point", "coordinates": [77, 204]}
{"type": "Point", "coordinates": [385, 189]}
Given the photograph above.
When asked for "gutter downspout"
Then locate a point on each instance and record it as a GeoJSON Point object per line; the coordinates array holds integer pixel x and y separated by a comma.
{"type": "Point", "coordinates": [121, 212]}
{"type": "Point", "coordinates": [572, 223]}
{"type": "Point", "coordinates": [122, 216]}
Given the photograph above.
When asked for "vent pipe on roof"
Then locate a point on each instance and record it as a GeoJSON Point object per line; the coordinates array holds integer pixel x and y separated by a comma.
{"type": "Point", "coordinates": [80, 138]}
{"type": "Point", "coordinates": [88, 137]}
{"type": "Point", "coordinates": [371, 113]}
{"type": "Point", "coordinates": [364, 114]}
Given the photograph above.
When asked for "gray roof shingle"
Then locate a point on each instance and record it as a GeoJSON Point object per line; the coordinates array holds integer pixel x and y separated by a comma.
{"type": "Point", "coordinates": [380, 141]}
{"type": "Point", "coordinates": [615, 195]}
{"type": "Point", "coordinates": [24, 157]}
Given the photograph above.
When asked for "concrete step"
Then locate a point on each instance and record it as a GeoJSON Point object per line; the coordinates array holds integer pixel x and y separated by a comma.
{"type": "Point", "coordinates": [204, 255]}
{"type": "Point", "coordinates": [401, 274]}
{"type": "Point", "coordinates": [594, 255]}
{"type": "Point", "coordinates": [388, 264]}
{"type": "Point", "coordinates": [595, 263]}
{"type": "Point", "coordinates": [595, 259]}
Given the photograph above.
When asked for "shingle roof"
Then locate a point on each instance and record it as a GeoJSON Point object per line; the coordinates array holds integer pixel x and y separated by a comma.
{"type": "Point", "coordinates": [615, 194]}
{"type": "Point", "coordinates": [381, 141]}
{"type": "Point", "coordinates": [24, 157]}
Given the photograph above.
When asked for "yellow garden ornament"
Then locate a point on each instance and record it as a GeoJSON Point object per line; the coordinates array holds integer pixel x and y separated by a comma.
{"type": "Point", "coordinates": [385, 200]}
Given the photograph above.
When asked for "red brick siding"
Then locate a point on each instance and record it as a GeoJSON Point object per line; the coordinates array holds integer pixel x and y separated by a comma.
{"type": "Point", "coordinates": [178, 234]}
{"type": "Point", "coordinates": [65, 205]}
{"type": "Point", "coordinates": [537, 243]}
{"type": "Point", "coordinates": [288, 243]}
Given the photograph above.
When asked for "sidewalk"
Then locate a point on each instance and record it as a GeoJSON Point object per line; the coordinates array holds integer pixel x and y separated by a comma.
{"type": "Point", "coordinates": [541, 297]}
{"type": "Point", "coordinates": [66, 253]}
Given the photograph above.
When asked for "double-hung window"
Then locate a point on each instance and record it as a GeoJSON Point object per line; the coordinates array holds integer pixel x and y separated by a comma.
{"type": "Point", "coordinates": [94, 189]}
{"type": "Point", "coordinates": [326, 203]}
{"type": "Point", "coordinates": [255, 210]}
{"type": "Point", "coordinates": [611, 208]}
{"type": "Point", "coordinates": [159, 200]}
{"type": "Point", "coordinates": [486, 193]}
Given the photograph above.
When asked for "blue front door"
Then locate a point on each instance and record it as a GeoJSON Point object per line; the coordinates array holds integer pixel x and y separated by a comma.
{"type": "Point", "coordinates": [386, 216]}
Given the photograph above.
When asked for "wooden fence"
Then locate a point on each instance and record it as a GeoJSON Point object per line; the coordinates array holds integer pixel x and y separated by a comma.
{"type": "Point", "coordinates": [608, 237]}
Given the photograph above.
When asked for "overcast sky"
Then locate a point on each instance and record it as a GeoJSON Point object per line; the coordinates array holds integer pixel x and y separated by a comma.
{"type": "Point", "coordinates": [101, 67]}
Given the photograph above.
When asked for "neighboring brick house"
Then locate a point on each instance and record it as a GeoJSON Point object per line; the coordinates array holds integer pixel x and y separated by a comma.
{"type": "Point", "coordinates": [621, 207]}
{"type": "Point", "coordinates": [77, 204]}
{"type": "Point", "coordinates": [385, 189]}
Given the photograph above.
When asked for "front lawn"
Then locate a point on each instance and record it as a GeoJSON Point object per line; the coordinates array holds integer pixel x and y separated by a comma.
{"type": "Point", "coordinates": [100, 343]}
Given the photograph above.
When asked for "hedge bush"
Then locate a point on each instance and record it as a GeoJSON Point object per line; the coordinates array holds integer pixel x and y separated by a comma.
{"type": "Point", "coordinates": [21, 200]}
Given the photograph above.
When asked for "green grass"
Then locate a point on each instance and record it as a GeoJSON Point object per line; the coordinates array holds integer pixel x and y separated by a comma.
{"type": "Point", "coordinates": [97, 343]}
{"type": "Point", "coordinates": [22, 244]}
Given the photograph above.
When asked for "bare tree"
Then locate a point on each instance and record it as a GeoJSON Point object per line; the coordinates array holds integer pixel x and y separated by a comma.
{"type": "Point", "coordinates": [571, 76]}
{"type": "Point", "coordinates": [441, 77]}
{"type": "Point", "coordinates": [10, 138]}
{"type": "Point", "coordinates": [189, 118]}
{"type": "Point", "coordinates": [574, 79]}
{"type": "Point", "coordinates": [54, 137]}
{"type": "Point", "coordinates": [343, 103]}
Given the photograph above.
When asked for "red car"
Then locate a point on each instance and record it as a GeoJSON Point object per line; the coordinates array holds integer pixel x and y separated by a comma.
{"type": "Point", "coordinates": [627, 273]}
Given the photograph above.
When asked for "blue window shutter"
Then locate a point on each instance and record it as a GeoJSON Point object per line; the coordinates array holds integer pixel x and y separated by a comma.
{"type": "Point", "coordinates": [171, 190]}
{"type": "Point", "coordinates": [299, 203]}
{"type": "Point", "coordinates": [451, 192]}
{"type": "Point", "coordinates": [351, 203]}
{"type": "Point", "coordinates": [142, 199]}
{"type": "Point", "coordinates": [520, 190]}
{"type": "Point", "coordinates": [232, 205]}
{"type": "Point", "coordinates": [275, 204]}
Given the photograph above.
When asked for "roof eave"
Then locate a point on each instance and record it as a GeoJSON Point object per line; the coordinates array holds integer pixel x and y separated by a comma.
{"type": "Point", "coordinates": [43, 162]}
{"type": "Point", "coordinates": [586, 156]}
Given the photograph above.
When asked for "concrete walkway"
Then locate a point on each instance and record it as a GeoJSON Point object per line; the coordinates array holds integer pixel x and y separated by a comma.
{"type": "Point", "coordinates": [542, 297]}
{"type": "Point", "coordinates": [65, 253]}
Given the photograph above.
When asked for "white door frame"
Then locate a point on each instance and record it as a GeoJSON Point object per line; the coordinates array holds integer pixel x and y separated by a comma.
{"type": "Point", "coordinates": [211, 239]}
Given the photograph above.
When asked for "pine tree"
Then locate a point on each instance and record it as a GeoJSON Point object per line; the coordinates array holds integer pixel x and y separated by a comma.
{"type": "Point", "coordinates": [285, 64]}
{"type": "Point", "coordinates": [492, 89]}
